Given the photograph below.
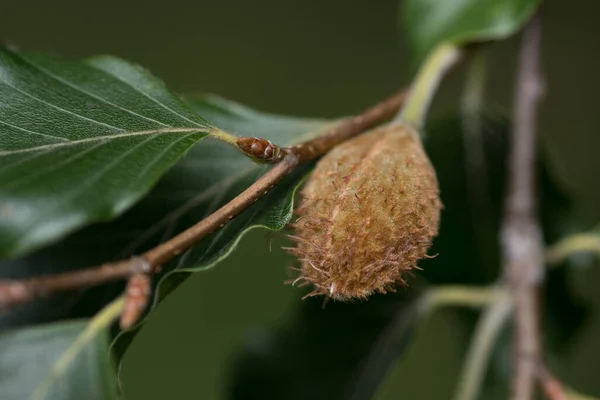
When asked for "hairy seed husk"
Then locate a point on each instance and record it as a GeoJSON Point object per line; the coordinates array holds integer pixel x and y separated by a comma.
{"type": "Point", "coordinates": [368, 214]}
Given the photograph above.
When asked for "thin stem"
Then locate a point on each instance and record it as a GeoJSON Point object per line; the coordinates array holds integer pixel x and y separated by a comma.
{"type": "Point", "coordinates": [349, 128]}
{"type": "Point", "coordinates": [521, 232]}
{"type": "Point", "coordinates": [459, 295]}
{"type": "Point", "coordinates": [224, 136]}
{"type": "Point", "coordinates": [14, 292]}
{"type": "Point", "coordinates": [582, 242]}
{"type": "Point", "coordinates": [172, 248]}
{"type": "Point", "coordinates": [439, 61]}
{"type": "Point", "coordinates": [486, 335]}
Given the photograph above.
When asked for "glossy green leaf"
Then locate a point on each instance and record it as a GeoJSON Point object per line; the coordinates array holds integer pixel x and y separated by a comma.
{"type": "Point", "coordinates": [204, 194]}
{"type": "Point", "coordinates": [81, 142]}
{"type": "Point", "coordinates": [64, 360]}
{"type": "Point", "coordinates": [208, 176]}
{"type": "Point", "coordinates": [430, 22]}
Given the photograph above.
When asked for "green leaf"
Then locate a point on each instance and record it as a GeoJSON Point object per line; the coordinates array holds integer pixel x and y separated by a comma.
{"type": "Point", "coordinates": [430, 22]}
{"type": "Point", "coordinates": [65, 360]}
{"type": "Point", "coordinates": [208, 176]}
{"type": "Point", "coordinates": [229, 176]}
{"type": "Point", "coordinates": [81, 142]}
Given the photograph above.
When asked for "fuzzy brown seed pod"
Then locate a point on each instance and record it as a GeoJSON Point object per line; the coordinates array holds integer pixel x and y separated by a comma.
{"type": "Point", "coordinates": [368, 214]}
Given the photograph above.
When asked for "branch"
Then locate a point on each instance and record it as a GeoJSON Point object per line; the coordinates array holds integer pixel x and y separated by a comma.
{"type": "Point", "coordinates": [521, 232]}
{"type": "Point", "coordinates": [349, 128]}
{"type": "Point", "coordinates": [14, 292]}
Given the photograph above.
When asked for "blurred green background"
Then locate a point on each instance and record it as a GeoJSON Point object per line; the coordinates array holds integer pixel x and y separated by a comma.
{"type": "Point", "coordinates": [321, 58]}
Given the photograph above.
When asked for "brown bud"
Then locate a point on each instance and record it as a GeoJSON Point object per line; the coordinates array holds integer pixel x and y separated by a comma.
{"type": "Point", "coordinates": [369, 212]}
{"type": "Point", "coordinates": [260, 149]}
{"type": "Point", "coordinates": [136, 299]}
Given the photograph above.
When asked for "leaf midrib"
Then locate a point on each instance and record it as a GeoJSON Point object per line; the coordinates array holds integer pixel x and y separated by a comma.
{"type": "Point", "coordinates": [121, 132]}
{"type": "Point", "coordinates": [69, 143]}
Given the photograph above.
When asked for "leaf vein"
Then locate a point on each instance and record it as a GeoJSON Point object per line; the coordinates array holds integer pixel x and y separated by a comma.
{"type": "Point", "coordinates": [81, 90]}
{"type": "Point", "coordinates": [35, 133]}
{"type": "Point", "coordinates": [26, 178]}
{"type": "Point", "coordinates": [6, 83]}
{"type": "Point", "coordinates": [105, 138]}
{"type": "Point", "coordinates": [80, 189]}
{"type": "Point", "coordinates": [146, 95]}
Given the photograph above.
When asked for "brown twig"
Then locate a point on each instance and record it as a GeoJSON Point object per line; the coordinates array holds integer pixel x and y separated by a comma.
{"type": "Point", "coordinates": [14, 292]}
{"type": "Point", "coordinates": [521, 233]}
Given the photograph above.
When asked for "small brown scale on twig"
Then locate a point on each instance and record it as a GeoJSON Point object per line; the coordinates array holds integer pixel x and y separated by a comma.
{"type": "Point", "coordinates": [369, 213]}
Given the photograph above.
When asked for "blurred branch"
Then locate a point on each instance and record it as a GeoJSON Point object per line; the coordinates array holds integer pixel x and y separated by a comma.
{"type": "Point", "coordinates": [14, 292]}
{"type": "Point", "coordinates": [521, 232]}
{"type": "Point", "coordinates": [486, 334]}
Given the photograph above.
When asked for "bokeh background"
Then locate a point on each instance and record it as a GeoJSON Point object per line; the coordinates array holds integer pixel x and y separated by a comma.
{"type": "Point", "coordinates": [323, 59]}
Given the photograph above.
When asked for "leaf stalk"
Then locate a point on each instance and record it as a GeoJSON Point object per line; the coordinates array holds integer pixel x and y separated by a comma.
{"type": "Point", "coordinates": [439, 61]}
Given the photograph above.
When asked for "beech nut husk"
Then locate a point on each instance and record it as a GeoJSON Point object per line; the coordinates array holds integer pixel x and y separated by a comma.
{"type": "Point", "coordinates": [368, 214]}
